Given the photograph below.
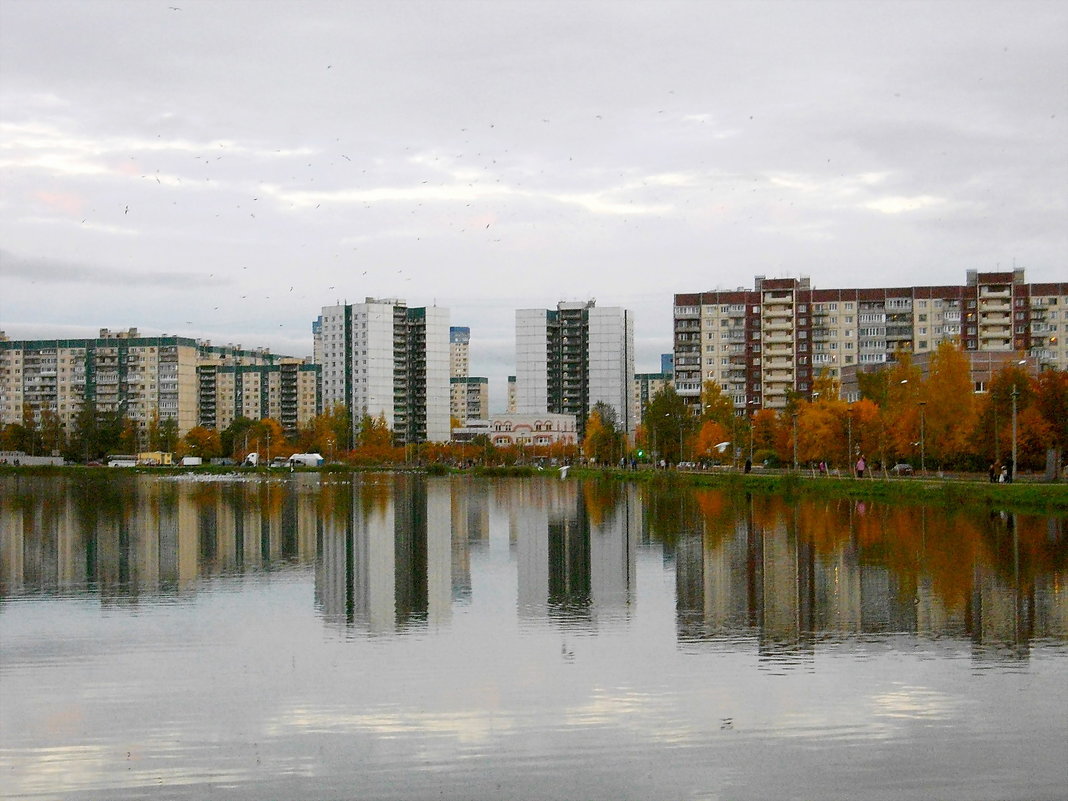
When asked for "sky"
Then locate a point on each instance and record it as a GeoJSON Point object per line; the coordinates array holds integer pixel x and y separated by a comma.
{"type": "Point", "coordinates": [222, 170]}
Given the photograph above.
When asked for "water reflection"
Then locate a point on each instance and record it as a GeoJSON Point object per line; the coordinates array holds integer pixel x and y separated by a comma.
{"type": "Point", "coordinates": [394, 552]}
{"type": "Point", "coordinates": [792, 574]}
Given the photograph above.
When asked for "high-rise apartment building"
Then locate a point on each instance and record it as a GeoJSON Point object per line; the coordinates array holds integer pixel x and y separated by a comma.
{"type": "Point", "coordinates": [382, 357]}
{"type": "Point", "coordinates": [142, 377]}
{"type": "Point", "coordinates": [763, 343]}
{"type": "Point", "coordinates": [459, 351]}
{"type": "Point", "coordinates": [469, 395]}
{"type": "Point", "coordinates": [574, 356]}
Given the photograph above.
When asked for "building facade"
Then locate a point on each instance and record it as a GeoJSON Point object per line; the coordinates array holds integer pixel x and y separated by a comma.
{"type": "Point", "coordinates": [646, 386]}
{"type": "Point", "coordinates": [459, 351]}
{"type": "Point", "coordinates": [513, 402]}
{"type": "Point", "coordinates": [522, 429]}
{"type": "Point", "coordinates": [287, 392]}
{"type": "Point", "coordinates": [762, 344]}
{"type": "Point", "coordinates": [141, 377]}
{"type": "Point", "coordinates": [382, 357]}
{"type": "Point", "coordinates": [570, 358]}
{"type": "Point", "coordinates": [469, 398]}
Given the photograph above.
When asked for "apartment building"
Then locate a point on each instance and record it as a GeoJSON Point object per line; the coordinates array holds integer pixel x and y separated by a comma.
{"type": "Point", "coordinates": [287, 392]}
{"type": "Point", "coordinates": [140, 376]}
{"type": "Point", "coordinates": [764, 343]}
{"type": "Point", "coordinates": [572, 357]}
{"type": "Point", "coordinates": [469, 395]}
{"type": "Point", "coordinates": [646, 386]}
{"type": "Point", "coordinates": [382, 357]}
{"type": "Point", "coordinates": [459, 351]}
{"type": "Point", "coordinates": [513, 401]}
{"type": "Point", "coordinates": [469, 399]}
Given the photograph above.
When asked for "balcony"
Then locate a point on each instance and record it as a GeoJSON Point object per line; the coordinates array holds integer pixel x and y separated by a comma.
{"type": "Point", "coordinates": [778, 337]}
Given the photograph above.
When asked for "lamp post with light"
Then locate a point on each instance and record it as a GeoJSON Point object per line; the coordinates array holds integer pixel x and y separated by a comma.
{"type": "Point", "coordinates": [923, 462]}
{"type": "Point", "coordinates": [794, 416]}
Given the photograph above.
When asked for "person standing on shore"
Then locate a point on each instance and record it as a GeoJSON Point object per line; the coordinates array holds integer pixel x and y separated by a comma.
{"type": "Point", "coordinates": [861, 465]}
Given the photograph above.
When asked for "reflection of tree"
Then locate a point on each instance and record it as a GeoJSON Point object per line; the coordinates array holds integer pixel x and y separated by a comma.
{"type": "Point", "coordinates": [670, 510]}
{"type": "Point", "coordinates": [602, 499]}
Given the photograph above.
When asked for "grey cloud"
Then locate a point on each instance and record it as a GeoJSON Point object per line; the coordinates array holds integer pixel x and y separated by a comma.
{"type": "Point", "coordinates": [47, 270]}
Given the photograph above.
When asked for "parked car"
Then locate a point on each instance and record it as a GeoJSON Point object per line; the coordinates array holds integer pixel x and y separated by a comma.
{"type": "Point", "coordinates": [901, 469]}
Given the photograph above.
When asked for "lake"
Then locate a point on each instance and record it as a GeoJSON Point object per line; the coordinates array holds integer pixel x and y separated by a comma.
{"type": "Point", "coordinates": [394, 636]}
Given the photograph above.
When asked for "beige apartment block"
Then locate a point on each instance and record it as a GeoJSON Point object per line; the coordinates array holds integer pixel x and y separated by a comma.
{"type": "Point", "coordinates": [469, 397]}
{"type": "Point", "coordinates": [141, 377]}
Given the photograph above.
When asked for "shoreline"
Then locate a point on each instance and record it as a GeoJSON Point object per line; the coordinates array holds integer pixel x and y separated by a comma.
{"type": "Point", "coordinates": [1027, 495]}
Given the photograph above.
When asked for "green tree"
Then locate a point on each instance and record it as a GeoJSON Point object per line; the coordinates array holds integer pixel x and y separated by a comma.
{"type": "Point", "coordinates": [374, 432]}
{"type": "Point", "coordinates": [234, 439]}
{"type": "Point", "coordinates": [669, 424]}
{"type": "Point", "coordinates": [53, 435]}
{"type": "Point", "coordinates": [29, 423]}
{"type": "Point", "coordinates": [14, 437]}
{"type": "Point", "coordinates": [874, 385]}
{"type": "Point", "coordinates": [168, 434]}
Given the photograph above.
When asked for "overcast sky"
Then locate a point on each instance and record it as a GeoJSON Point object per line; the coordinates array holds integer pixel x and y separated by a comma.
{"type": "Point", "coordinates": [224, 169]}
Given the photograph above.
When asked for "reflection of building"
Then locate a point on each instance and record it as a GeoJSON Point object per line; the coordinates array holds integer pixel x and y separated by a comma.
{"type": "Point", "coordinates": [129, 536]}
{"type": "Point", "coordinates": [573, 560]}
{"type": "Point", "coordinates": [765, 572]}
{"type": "Point", "coordinates": [387, 563]}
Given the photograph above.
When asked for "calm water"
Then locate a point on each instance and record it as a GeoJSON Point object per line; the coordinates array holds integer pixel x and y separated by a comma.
{"type": "Point", "coordinates": [401, 637]}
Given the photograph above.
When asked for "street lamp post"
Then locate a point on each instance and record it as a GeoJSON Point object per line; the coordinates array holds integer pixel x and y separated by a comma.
{"type": "Point", "coordinates": [1012, 470]}
{"type": "Point", "coordinates": [849, 437]}
{"type": "Point", "coordinates": [923, 463]}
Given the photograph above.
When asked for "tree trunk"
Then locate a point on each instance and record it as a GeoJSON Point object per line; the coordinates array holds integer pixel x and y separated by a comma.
{"type": "Point", "coordinates": [1053, 464]}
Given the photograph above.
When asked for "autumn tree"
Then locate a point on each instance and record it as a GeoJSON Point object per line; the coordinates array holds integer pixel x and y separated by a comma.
{"type": "Point", "coordinates": [991, 435]}
{"type": "Point", "coordinates": [901, 410]}
{"type": "Point", "coordinates": [374, 432]}
{"type": "Point", "coordinates": [326, 433]}
{"type": "Point", "coordinates": [949, 405]}
{"type": "Point", "coordinates": [716, 404]}
{"type": "Point", "coordinates": [765, 434]}
{"type": "Point", "coordinates": [710, 441]}
{"type": "Point", "coordinates": [603, 442]}
{"type": "Point", "coordinates": [29, 425]}
{"type": "Point", "coordinates": [203, 442]}
{"type": "Point", "coordinates": [1051, 400]}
